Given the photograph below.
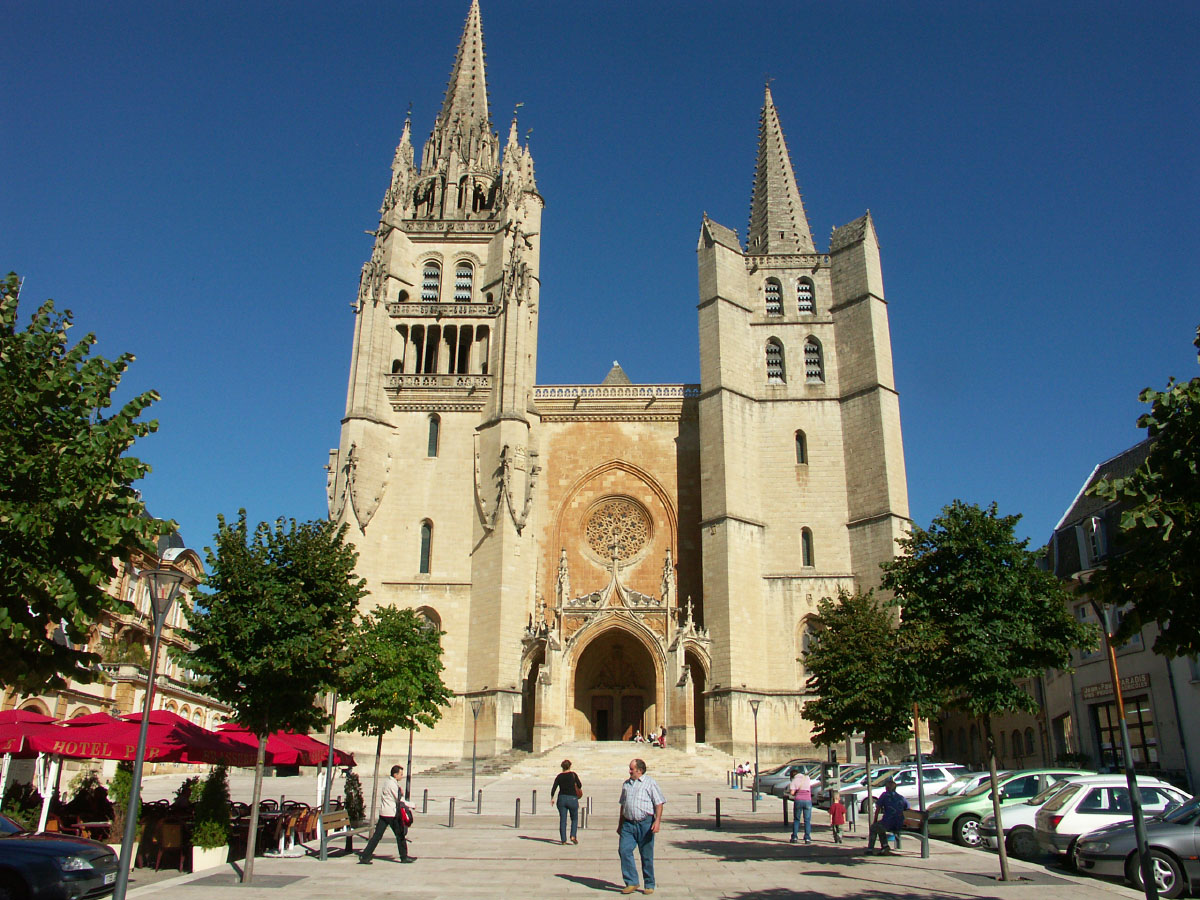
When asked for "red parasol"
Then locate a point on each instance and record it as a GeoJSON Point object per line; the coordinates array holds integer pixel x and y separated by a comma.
{"type": "Point", "coordinates": [15, 726]}
{"type": "Point", "coordinates": [290, 748]}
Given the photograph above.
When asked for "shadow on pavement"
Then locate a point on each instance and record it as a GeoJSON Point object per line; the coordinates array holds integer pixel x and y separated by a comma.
{"type": "Point", "coordinates": [745, 850]}
{"type": "Point", "coordinates": [868, 894]}
{"type": "Point", "coordinates": [540, 840]}
{"type": "Point", "coordinates": [596, 884]}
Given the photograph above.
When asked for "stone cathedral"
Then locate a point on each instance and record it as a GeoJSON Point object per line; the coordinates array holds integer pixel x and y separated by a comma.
{"type": "Point", "coordinates": [614, 556]}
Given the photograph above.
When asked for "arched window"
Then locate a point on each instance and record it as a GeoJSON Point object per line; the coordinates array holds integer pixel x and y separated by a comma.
{"type": "Point", "coordinates": [814, 366]}
{"type": "Point", "coordinates": [1003, 744]}
{"type": "Point", "coordinates": [775, 373]}
{"type": "Point", "coordinates": [435, 430]}
{"type": "Point", "coordinates": [801, 449]}
{"type": "Point", "coordinates": [806, 639]}
{"type": "Point", "coordinates": [1029, 742]}
{"type": "Point", "coordinates": [1016, 742]}
{"type": "Point", "coordinates": [429, 616]}
{"type": "Point", "coordinates": [431, 282]}
{"type": "Point", "coordinates": [804, 297]}
{"type": "Point", "coordinates": [462, 282]}
{"type": "Point", "coordinates": [426, 546]}
{"type": "Point", "coordinates": [974, 742]}
{"type": "Point", "coordinates": [774, 293]}
{"type": "Point", "coordinates": [808, 559]}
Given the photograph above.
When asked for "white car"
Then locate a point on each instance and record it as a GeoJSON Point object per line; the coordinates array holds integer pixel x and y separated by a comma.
{"type": "Point", "coordinates": [850, 786]}
{"type": "Point", "coordinates": [935, 775]}
{"type": "Point", "coordinates": [1085, 804]}
{"type": "Point", "coordinates": [1020, 838]}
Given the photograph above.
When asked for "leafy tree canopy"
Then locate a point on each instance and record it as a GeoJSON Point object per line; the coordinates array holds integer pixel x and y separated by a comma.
{"type": "Point", "coordinates": [982, 612]}
{"type": "Point", "coordinates": [68, 509]}
{"type": "Point", "coordinates": [394, 673]}
{"type": "Point", "coordinates": [1158, 567]}
{"type": "Point", "coordinates": [853, 665]}
{"type": "Point", "coordinates": [273, 632]}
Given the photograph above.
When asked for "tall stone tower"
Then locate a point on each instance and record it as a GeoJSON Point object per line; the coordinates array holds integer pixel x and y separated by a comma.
{"type": "Point", "coordinates": [436, 461]}
{"type": "Point", "coordinates": [802, 477]}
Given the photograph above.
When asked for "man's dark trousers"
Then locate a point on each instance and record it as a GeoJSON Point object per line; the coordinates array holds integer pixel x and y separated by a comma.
{"type": "Point", "coordinates": [384, 823]}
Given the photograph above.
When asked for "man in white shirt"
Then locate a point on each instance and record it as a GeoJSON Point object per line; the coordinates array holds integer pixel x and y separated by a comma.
{"type": "Point", "coordinates": [391, 801]}
{"type": "Point", "coordinates": [641, 814]}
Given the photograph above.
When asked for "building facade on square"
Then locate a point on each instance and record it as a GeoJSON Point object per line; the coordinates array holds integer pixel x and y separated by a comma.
{"type": "Point", "coordinates": [614, 556]}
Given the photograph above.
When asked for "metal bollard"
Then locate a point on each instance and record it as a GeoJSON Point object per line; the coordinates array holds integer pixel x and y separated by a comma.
{"type": "Point", "coordinates": [583, 817]}
{"type": "Point", "coordinates": [785, 811]}
{"type": "Point", "coordinates": [451, 812]}
{"type": "Point", "coordinates": [718, 812]}
{"type": "Point", "coordinates": [425, 802]}
{"type": "Point", "coordinates": [697, 803]}
{"type": "Point", "coordinates": [533, 806]}
{"type": "Point", "coordinates": [517, 815]}
{"type": "Point", "coordinates": [589, 804]}
{"type": "Point", "coordinates": [753, 800]}
{"type": "Point", "coordinates": [479, 803]}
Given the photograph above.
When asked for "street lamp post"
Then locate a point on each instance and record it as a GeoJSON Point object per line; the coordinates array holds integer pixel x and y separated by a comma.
{"type": "Point", "coordinates": [754, 708]}
{"type": "Point", "coordinates": [1149, 886]}
{"type": "Point", "coordinates": [476, 705]}
{"type": "Point", "coordinates": [164, 586]}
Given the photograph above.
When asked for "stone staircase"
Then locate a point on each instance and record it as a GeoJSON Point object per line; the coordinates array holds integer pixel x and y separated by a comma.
{"type": "Point", "coordinates": [614, 756]}
{"type": "Point", "coordinates": [496, 765]}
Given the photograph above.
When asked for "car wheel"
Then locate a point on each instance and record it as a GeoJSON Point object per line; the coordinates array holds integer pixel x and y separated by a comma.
{"type": "Point", "coordinates": [966, 831]}
{"type": "Point", "coordinates": [1022, 843]}
{"type": "Point", "coordinates": [11, 888]}
{"type": "Point", "coordinates": [1072, 859]}
{"type": "Point", "coordinates": [1168, 877]}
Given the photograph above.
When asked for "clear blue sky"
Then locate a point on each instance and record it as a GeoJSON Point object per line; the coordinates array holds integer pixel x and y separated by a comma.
{"type": "Point", "coordinates": [194, 180]}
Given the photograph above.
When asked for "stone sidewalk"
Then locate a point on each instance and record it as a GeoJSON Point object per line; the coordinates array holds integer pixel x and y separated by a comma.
{"type": "Point", "coordinates": [749, 858]}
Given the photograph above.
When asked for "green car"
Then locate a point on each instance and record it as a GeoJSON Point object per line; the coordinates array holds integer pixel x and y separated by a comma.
{"type": "Point", "coordinates": [958, 817]}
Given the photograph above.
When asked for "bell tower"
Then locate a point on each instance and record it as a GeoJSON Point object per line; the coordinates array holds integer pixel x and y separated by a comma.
{"type": "Point", "coordinates": [437, 463]}
{"type": "Point", "coordinates": [802, 469]}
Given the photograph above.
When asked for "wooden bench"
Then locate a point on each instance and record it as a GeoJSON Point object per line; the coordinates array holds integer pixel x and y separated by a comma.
{"type": "Point", "coordinates": [336, 823]}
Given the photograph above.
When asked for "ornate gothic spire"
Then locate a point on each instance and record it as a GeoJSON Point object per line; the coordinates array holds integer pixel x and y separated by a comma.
{"type": "Point", "coordinates": [777, 220]}
{"type": "Point", "coordinates": [464, 123]}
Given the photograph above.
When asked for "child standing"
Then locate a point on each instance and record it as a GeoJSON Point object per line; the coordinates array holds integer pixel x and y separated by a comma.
{"type": "Point", "coordinates": [837, 816]}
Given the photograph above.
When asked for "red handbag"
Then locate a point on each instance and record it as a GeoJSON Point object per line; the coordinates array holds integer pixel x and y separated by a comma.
{"type": "Point", "coordinates": [406, 816]}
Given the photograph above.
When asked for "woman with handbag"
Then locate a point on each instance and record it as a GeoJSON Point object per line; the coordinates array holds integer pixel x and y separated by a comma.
{"type": "Point", "coordinates": [569, 789]}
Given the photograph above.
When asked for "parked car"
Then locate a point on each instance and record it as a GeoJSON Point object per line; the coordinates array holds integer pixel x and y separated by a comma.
{"type": "Point", "coordinates": [958, 817]}
{"type": "Point", "coordinates": [847, 772]}
{"type": "Point", "coordinates": [851, 785]}
{"type": "Point", "coordinates": [1020, 839]}
{"type": "Point", "coordinates": [769, 779]}
{"type": "Point", "coordinates": [906, 783]}
{"type": "Point", "coordinates": [965, 781]}
{"type": "Point", "coordinates": [1085, 804]}
{"type": "Point", "coordinates": [53, 866]}
{"type": "Point", "coordinates": [1172, 838]}
{"type": "Point", "coordinates": [775, 782]}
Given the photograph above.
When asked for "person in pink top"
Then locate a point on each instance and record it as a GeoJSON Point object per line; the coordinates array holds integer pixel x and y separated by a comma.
{"type": "Point", "coordinates": [800, 790]}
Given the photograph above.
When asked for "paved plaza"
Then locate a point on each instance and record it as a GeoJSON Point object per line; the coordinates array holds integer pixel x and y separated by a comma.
{"type": "Point", "coordinates": [490, 855]}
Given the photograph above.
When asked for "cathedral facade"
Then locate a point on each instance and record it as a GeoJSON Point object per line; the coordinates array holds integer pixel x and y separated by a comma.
{"type": "Point", "coordinates": [611, 557]}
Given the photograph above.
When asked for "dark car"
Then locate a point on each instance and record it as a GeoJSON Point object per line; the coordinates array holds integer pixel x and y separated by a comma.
{"type": "Point", "coordinates": [1172, 838]}
{"type": "Point", "coordinates": [53, 866]}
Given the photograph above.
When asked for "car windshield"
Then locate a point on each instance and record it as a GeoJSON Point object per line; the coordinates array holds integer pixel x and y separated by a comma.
{"type": "Point", "coordinates": [1045, 795]}
{"type": "Point", "coordinates": [9, 827]}
{"type": "Point", "coordinates": [1184, 815]}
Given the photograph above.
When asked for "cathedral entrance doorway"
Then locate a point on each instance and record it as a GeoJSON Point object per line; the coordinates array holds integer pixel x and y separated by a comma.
{"type": "Point", "coordinates": [615, 689]}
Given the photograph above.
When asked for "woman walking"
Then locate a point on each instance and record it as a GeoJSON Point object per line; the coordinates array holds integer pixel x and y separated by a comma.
{"type": "Point", "coordinates": [569, 789]}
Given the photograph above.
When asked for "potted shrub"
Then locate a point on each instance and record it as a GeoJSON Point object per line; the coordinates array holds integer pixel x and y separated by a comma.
{"type": "Point", "coordinates": [210, 826]}
{"type": "Point", "coordinates": [354, 800]}
{"type": "Point", "coordinates": [118, 794]}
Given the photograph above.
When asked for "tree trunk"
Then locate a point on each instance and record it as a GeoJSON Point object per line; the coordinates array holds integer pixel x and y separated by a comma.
{"type": "Point", "coordinates": [991, 751]}
{"type": "Point", "coordinates": [375, 775]}
{"type": "Point", "coordinates": [252, 834]}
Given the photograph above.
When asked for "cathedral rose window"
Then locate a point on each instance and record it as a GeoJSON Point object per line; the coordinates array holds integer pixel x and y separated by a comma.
{"type": "Point", "coordinates": [619, 526]}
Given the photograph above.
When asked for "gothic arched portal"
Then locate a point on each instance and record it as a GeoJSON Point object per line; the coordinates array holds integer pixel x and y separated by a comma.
{"type": "Point", "coordinates": [616, 688]}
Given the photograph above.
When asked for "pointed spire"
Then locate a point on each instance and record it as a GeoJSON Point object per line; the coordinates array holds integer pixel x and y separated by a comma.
{"type": "Point", "coordinates": [465, 108]}
{"type": "Point", "coordinates": [777, 220]}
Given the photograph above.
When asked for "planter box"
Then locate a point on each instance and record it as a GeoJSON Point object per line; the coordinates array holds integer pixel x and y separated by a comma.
{"type": "Point", "coordinates": [116, 848]}
{"type": "Point", "coordinates": [209, 857]}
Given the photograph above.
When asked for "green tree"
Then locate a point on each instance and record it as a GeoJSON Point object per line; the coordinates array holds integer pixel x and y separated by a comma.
{"type": "Point", "coordinates": [68, 509]}
{"type": "Point", "coordinates": [273, 632]}
{"type": "Point", "coordinates": [984, 615]}
{"type": "Point", "coordinates": [394, 677]}
{"type": "Point", "coordinates": [855, 666]}
{"type": "Point", "coordinates": [1157, 566]}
